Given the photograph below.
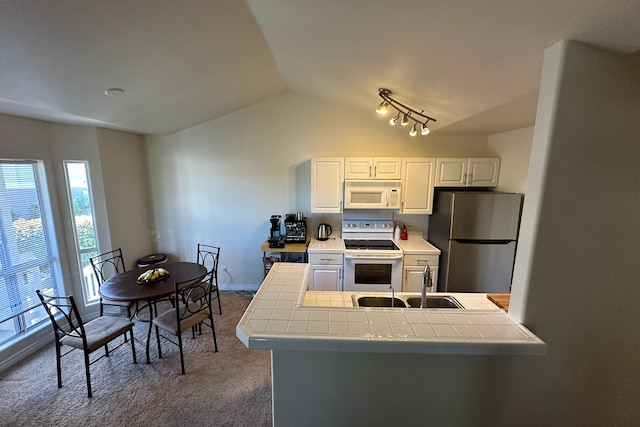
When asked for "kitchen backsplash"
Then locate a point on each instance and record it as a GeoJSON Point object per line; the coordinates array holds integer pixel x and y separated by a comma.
{"type": "Point", "coordinates": [415, 223]}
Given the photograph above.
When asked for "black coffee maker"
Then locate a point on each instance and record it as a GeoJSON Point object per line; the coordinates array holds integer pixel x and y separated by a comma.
{"type": "Point", "coordinates": [275, 237]}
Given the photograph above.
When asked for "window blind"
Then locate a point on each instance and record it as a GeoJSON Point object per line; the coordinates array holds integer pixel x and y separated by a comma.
{"type": "Point", "coordinates": [26, 261]}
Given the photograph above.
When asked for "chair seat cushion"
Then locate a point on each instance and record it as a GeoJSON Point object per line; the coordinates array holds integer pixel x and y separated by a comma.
{"type": "Point", "coordinates": [99, 332]}
{"type": "Point", "coordinates": [169, 319]}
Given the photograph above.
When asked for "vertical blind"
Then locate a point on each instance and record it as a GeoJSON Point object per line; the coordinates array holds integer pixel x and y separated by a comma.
{"type": "Point", "coordinates": [26, 261]}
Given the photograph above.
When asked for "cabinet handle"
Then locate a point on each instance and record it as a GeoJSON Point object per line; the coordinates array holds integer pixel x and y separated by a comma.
{"type": "Point", "coordinates": [375, 171]}
{"type": "Point", "coordinates": [423, 262]}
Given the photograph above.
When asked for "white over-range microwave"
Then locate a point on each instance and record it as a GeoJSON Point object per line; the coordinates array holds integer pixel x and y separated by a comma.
{"type": "Point", "coordinates": [372, 194]}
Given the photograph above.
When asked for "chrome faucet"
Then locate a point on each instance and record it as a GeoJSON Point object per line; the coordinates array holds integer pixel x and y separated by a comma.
{"type": "Point", "coordinates": [426, 278]}
{"type": "Point", "coordinates": [393, 295]}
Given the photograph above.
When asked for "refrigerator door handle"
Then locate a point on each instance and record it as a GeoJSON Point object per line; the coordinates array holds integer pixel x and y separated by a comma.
{"type": "Point", "coordinates": [484, 242]}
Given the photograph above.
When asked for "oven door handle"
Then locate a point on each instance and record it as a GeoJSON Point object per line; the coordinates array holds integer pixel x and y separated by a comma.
{"type": "Point", "coordinates": [374, 257]}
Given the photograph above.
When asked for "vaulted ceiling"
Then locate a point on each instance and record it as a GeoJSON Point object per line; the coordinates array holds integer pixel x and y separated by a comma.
{"type": "Point", "coordinates": [473, 65]}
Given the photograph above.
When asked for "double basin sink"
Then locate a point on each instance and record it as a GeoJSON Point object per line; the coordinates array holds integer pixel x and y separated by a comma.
{"type": "Point", "coordinates": [405, 301]}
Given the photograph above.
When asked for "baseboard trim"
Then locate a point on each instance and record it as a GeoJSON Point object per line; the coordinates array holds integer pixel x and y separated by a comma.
{"type": "Point", "coordinates": [238, 287]}
{"type": "Point", "coordinates": [26, 346]}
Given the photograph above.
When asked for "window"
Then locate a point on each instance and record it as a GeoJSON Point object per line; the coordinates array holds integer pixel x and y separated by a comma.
{"type": "Point", "coordinates": [26, 260]}
{"type": "Point", "coordinates": [84, 228]}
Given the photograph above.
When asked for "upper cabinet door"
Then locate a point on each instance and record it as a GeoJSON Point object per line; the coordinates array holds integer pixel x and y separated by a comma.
{"type": "Point", "coordinates": [327, 182]}
{"type": "Point", "coordinates": [417, 185]}
{"type": "Point", "coordinates": [483, 172]}
{"type": "Point", "coordinates": [358, 168]}
{"type": "Point", "coordinates": [380, 168]}
{"type": "Point", "coordinates": [468, 172]}
{"type": "Point", "coordinates": [451, 172]}
{"type": "Point", "coordinates": [387, 168]}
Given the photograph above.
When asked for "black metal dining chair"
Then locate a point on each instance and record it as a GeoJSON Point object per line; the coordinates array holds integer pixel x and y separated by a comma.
{"type": "Point", "coordinates": [71, 331]}
{"type": "Point", "coordinates": [190, 311]}
{"type": "Point", "coordinates": [208, 256]}
{"type": "Point", "coordinates": [105, 266]}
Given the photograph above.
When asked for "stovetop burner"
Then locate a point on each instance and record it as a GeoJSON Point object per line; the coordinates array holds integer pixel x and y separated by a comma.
{"type": "Point", "coordinates": [376, 245]}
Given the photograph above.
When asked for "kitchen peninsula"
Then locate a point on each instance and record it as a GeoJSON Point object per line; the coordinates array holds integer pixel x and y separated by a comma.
{"type": "Point", "coordinates": [323, 343]}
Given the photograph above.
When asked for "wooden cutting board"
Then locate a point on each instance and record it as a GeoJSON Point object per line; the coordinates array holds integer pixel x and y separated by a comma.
{"type": "Point", "coordinates": [501, 300]}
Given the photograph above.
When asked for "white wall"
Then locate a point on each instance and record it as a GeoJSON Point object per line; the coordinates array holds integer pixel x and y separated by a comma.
{"type": "Point", "coordinates": [219, 182]}
{"type": "Point", "coordinates": [123, 161]}
{"type": "Point", "coordinates": [575, 285]}
{"type": "Point", "coordinates": [581, 236]}
{"type": "Point", "coordinates": [514, 150]}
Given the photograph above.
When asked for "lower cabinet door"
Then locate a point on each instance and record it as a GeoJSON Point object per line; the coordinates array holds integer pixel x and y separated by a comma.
{"type": "Point", "coordinates": [325, 278]}
{"type": "Point", "coordinates": [412, 279]}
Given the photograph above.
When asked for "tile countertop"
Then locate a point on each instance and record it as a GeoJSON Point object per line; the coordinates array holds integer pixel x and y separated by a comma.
{"type": "Point", "coordinates": [334, 245]}
{"type": "Point", "coordinates": [284, 316]}
{"type": "Point", "coordinates": [416, 245]}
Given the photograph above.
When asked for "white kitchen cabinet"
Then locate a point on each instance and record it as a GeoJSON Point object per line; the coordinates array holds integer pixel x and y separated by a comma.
{"type": "Point", "coordinates": [325, 278]}
{"type": "Point", "coordinates": [483, 172]}
{"type": "Point", "coordinates": [414, 266]}
{"type": "Point", "coordinates": [418, 176]}
{"type": "Point", "coordinates": [325, 271]}
{"type": "Point", "coordinates": [380, 168]}
{"type": "Point", "coordinates": [467, 172]}
{"type": "Point", "coordinates": [327, 182]}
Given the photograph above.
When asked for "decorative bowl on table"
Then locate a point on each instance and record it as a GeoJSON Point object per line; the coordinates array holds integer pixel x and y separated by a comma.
{"type": "Point", "coordinates": [152, 275]}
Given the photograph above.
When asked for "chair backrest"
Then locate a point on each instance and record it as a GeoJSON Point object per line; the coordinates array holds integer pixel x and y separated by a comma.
{"type": "Point", "coordinates": [70, 322]}
{"type": "Point", "coordinates": [195, 297]}
{"type": "Point", "coordinates": [107, 265]}
{"type": "Point", "coordinates": [208, 256]}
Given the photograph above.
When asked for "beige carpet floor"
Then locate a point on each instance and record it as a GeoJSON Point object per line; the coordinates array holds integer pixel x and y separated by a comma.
{"type": "Point", "coordinates": [228, 388]}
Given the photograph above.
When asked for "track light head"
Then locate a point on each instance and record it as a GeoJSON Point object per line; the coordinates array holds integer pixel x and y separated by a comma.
{"type": "Point", "coordinates": [394, 119]}
{"type": "Point", "coordinates": [383, 108]}
{"type": "Point", "coordinates": [405, 119]}
{"type": "Point", "coordinates": [413, 131]}
{"type": "Point", "coordinates": [425, 130]}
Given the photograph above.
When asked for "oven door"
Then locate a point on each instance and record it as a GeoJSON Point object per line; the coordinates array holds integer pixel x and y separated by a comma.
{"type": "Point", "coordinates": [372, 272]}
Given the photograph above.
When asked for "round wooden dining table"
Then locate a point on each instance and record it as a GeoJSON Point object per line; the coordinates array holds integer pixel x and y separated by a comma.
{"type": "Point", "coordinates": [124, 286]}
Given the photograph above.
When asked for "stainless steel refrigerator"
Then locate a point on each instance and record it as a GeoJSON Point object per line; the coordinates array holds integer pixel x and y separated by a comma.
{"type": "Point", "coordinates": [477, 233]}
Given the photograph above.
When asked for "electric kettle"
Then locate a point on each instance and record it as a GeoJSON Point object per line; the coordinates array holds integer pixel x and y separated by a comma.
{"type": "Point", "coordinates": [324, 231]}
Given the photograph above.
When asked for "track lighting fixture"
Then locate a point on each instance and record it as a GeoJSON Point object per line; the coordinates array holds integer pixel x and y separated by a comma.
{"type": "Point", "coordinates": [383, 108]}
{"type": "Point", "coordinates": [404, 112]}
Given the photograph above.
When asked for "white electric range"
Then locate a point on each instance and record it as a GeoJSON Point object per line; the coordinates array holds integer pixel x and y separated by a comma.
{"type": "Point", "coordinates": [372, 261]}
